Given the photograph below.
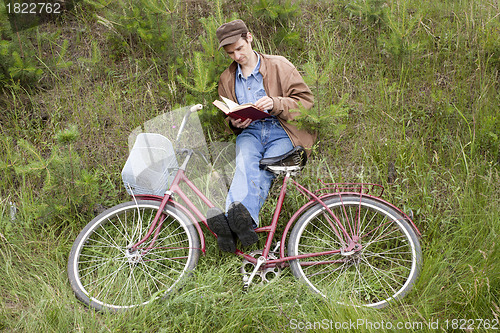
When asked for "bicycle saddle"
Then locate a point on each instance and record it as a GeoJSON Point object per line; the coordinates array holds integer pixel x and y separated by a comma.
{"type": "Point", "coordinates": [292, 161]}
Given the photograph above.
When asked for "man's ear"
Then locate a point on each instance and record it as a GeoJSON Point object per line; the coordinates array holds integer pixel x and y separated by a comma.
{"type": "Point", "coordinates": [249, 37]}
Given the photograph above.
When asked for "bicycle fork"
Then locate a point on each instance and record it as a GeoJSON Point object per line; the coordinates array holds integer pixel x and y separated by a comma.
{"type": "Point", "coordinates": [158, 221]}
{"type": "Point", "coordinates": [156, 224]}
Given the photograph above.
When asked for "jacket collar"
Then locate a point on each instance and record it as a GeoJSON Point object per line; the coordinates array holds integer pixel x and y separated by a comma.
{"type": "Point", "coordinates": [263, 67]}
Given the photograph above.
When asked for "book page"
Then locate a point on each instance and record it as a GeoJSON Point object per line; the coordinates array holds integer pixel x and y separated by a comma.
{"type": "Point", "coordinates": [221, 106]}
{"type": "Point", "coordinates": [230, 103]}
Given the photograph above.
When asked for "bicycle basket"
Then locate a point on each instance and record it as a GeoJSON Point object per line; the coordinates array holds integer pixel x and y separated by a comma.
{"type": "Point", "coordinates": [151, 165]}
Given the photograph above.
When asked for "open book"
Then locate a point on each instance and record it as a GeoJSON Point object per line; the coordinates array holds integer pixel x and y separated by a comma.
{"type": "Point", "coordinates": [243, 112]}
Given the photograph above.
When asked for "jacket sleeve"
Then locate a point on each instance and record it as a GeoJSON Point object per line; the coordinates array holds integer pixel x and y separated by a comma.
{"type": "Point", "coordinates": [222, 90]}
{"type": "Point", "coordinates": [295, 91]}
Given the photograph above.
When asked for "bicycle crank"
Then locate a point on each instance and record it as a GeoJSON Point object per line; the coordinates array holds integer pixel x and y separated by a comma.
{"type": "Point", "coordinates": [252, 271]}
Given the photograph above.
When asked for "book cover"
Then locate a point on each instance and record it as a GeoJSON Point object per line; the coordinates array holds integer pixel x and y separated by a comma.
{"type": "Point", "coordinates": [242, 112]}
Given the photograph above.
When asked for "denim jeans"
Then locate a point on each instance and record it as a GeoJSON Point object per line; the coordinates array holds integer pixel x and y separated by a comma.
{"type": "Point", "coordinates": [263, 138]}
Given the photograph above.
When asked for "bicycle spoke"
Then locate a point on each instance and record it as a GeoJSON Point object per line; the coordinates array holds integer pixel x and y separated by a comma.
{"type": "Point", "coordinates": [92, 269]}
{"type": "Point", "coordinates": [96, 283]}
{"type": "Point", "coordinates": [153, 279]}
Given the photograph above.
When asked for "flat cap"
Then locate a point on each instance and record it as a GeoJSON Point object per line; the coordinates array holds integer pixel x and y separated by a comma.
{"type": "Point", "coordinates": [230, 32]}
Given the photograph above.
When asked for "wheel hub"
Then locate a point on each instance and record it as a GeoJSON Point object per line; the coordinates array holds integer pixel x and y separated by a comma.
{"type": "Point", "coordinates": [355, 250]}
{"type": "Point", "coordinates": [133, 257]}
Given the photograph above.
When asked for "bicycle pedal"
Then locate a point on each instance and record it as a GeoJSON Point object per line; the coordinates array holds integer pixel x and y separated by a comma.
{"type": "Point", "coordinates": [276, 248]}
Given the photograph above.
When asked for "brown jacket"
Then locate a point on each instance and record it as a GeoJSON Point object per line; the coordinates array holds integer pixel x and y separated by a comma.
{"type": "Point", "coordinates": [284, 84]}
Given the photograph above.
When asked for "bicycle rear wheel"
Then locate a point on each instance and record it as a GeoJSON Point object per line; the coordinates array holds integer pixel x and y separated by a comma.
{"type": "Point", "coordinates": [106, 275]}
{"type": "Point", "coordinates": [382, 269]}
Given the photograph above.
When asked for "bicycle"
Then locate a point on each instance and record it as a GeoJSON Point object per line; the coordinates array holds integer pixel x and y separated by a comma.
{"type": "Point", "coordinates": [344, 242]}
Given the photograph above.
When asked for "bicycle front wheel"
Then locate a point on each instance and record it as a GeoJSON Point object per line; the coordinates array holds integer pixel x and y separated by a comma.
{"type": "Point", "coordinates": [107, 275]}
{"type": "Point", "coordinates": [382, 268]}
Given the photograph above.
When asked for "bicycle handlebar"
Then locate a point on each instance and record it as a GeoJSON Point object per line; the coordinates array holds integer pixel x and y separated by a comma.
{"type": "Point", "coordinates": [193, 109]}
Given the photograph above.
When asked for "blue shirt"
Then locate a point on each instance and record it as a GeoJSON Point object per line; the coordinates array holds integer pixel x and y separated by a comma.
{"type": "Point", "coordinates": [251, 88]}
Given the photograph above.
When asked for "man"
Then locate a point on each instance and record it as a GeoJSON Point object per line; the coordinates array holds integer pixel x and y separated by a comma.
{"type": "Point", "coordinates": [273, 84]}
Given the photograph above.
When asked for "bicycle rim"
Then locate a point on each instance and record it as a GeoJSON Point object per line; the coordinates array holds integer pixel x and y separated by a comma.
{"type": "Point", "coordinates": [106, 274]}
{"type": "Point", "coordinates": [382, 270]}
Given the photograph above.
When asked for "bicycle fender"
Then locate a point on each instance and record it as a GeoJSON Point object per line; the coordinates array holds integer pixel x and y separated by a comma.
{"type": "Point", "coordinates": [186, 211]}
{"type": "Point", "coordinates": [408, 219]}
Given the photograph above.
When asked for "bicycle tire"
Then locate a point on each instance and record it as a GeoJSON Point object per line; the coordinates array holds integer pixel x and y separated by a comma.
{"type": "Point", "coordinates": [383, 270]}
{"type": "Point", "coordinates": [105, 275]}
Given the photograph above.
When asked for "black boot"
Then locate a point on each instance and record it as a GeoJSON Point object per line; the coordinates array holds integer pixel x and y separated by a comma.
{"type": "Point", "coordinates": [241, 223]}
{"type": "Point", "coordinates": [217, 222]}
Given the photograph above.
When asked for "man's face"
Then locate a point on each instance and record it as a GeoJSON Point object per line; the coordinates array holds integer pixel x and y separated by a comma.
{"type": "Point", "coordinates": [241, 51]}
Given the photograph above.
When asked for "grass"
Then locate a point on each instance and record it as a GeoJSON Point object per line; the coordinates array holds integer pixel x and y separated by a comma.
{"type": "Point", "coordinates": [422, 107]}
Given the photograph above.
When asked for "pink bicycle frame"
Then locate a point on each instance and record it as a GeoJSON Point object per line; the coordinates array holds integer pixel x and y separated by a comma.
{"type": "Point", "coordinates": [191, 209]}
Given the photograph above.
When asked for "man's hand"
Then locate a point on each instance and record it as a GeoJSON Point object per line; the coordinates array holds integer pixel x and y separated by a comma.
{"type": "Point", "coordinates": [238, 123]}
{"type": "Point", "coordinates": [265, 103]}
